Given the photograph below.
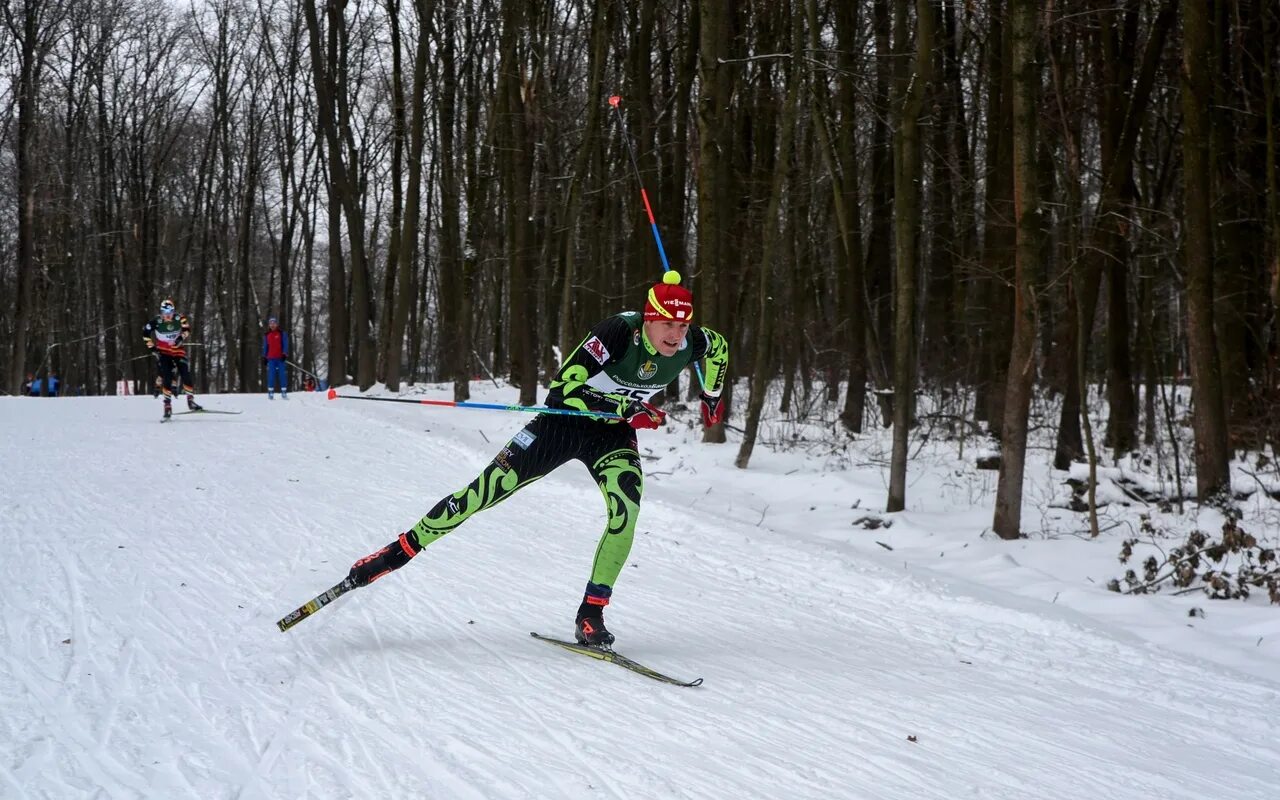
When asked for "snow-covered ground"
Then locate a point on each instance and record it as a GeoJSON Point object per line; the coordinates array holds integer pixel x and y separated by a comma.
{"type": "Point", "coordinates": [143, 567]}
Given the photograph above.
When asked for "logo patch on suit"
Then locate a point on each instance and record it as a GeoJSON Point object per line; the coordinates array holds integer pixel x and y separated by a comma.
{"type": "Point", "coordinates": [524, 439]}
{"type": "Point", "coordinates": [647, 370]}
{"type": "Point", "coordinates": [596, 349]}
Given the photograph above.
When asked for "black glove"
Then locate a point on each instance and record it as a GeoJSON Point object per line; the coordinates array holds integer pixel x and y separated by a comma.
{"type": "Point", "coordinates": [264, 361]}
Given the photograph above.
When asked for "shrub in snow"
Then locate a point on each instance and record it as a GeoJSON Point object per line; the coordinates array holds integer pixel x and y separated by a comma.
{"type": "Point", "coordinates": [1226, 568]}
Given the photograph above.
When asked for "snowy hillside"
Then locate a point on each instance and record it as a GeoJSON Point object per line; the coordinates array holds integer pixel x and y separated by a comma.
{"type": "Point", "coordinates": [143, 567]}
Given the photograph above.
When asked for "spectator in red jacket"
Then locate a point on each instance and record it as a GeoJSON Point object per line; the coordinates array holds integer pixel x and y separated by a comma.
{"type": "Point", "coordinates": [275, 350]}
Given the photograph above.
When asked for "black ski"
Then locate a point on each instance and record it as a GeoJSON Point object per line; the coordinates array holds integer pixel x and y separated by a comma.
{"type": "Point", "coordinates": [315, 604]}
{"type": "Point", "coordinates": [606, 654]}
{"type": "Point", "coordinates": [205, 411]}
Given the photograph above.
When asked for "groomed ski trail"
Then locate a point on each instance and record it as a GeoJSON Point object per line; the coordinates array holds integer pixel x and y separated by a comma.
{"type": "Point", "coordinates": [142, 568]}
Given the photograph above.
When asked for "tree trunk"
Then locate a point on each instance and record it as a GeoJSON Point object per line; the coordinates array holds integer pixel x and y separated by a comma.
{"type": "Point", "coordinates": [33, 47]}
{"type": "Point", "coordinates": [1209, 420]}
{"type": "Point", "coordinates": [842, 163]}
{"type": "Point", "coordinates": [516, 158]}
{"type": "Point", "coordinates": [1022, 360]}
{"type": "Point", "coordinates": [395, 222]}
{"type": "Point", "coordinates": [716, 80]}
{"type": "Point", "coordinates": [880, 243]}
{"type": "Point", "coordinates": [909, 96]}
{"type": "Point", "coordinates": [994, 310]}
{"type": "Point", "coordinates": [763, 366]}
{"type": "Point", "coordinates": [334, 122]}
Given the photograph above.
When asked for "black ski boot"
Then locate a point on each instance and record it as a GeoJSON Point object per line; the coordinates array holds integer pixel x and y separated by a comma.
{"type": "Point", "coordinates": [192, 405]}
{"type": "Point", "coordinates": [168, 408]}
{"type": "Point", "coordinates": [392, 557]}
{"type": "Point", "coordinates": [589, 628]}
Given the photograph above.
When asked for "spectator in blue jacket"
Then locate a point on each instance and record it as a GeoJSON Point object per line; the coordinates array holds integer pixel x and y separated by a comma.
{"type": "Point", "coordinates": [275, 349]}
{"type": "Point", "coordinates": [40, 387]}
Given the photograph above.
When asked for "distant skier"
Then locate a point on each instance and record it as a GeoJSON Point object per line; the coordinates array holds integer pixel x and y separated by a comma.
{"type": "Point", "coordinates": [275, 349]}
{"type": "Point", "coordinates": [623, 362]}
{"type": "Point", "coordinates": [164, 336]}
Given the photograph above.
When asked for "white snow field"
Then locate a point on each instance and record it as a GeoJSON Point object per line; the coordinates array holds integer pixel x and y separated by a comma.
{"type": "Point", "coordinates": [143, 567]}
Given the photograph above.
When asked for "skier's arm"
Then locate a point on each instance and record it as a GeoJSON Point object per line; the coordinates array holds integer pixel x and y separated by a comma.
{"type": "Point", "coordinates": [284, 344]}
{"type": "Point", "coordinates": [148, 336]}
{"type": "Point", "coordinates": [715, 349]}
{"type": "Point", "coordinates": [607, 342]}
{"type": "Point", "coordinates": [186, 329]}
{"type": "Point", "coordinates": [716, 352]}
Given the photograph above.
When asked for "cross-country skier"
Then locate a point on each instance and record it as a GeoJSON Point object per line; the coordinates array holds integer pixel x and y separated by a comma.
{"type": "Point", "coordinates": [164, 336]}
{"type": "Point", "coordinates": [623, 362]}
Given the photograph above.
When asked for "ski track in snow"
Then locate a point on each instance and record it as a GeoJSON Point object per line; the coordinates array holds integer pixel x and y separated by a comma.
{"type": "Point", "coordinates": [165, 553]}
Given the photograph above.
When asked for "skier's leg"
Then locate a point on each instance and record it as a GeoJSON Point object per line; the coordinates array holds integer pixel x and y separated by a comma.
{"type": "Point", "coordinates": [275, 375]}
{"type": "Point", "coordinates": [184, 370]}
{"type": "Point", "coordinates": [621, 481]}
{"type": "Point", "coordinates": [539, 448]}
{"type": "Point", "coordinates": [164, 366]}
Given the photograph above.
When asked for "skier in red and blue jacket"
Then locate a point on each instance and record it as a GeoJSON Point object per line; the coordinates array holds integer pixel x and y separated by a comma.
{"type": "Point", "coordinates": [275, 349]}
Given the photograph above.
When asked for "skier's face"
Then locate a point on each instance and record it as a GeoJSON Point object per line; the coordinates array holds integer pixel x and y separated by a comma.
{"type": "Point", "coordinates": [666, 336]}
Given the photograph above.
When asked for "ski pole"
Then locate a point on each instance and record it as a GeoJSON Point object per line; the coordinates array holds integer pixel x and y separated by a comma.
{"type": "Point", "coordinates": [568, 412]}
{"type": "Point", "coordinates": [303, 371]}
{"type": "Point", "coordinates": [616, 102]}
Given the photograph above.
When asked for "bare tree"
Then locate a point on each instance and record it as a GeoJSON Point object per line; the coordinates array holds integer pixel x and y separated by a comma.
{"type": "Point", "coordinates": [910, 90]}
{"type": "Point", "coordinates": [329, 65]}
{"type": "Point", "coordinates": [1210, 417]}
{"type": "Point", "coordinates": [516, 156]}
{"type": "Point", "coordinates": [716, 80]}
{"type": "Point", "coordinates": [34, 27]}
{"type": "Point", "coordinates": [1025, 67]}
{"type": "Point", "coordinates": [763, 366]}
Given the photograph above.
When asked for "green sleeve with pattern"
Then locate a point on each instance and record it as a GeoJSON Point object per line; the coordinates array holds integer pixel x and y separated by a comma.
{"type": "Point", "coordinates": [717, 356]}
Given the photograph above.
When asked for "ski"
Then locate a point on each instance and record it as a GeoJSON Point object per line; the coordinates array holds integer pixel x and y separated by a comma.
{"type": "Point", "coordinates": [606, 654]}
{"type": "Point", "coordinates": [315, 604]}
{"type": "Point", "coordinates": [205, 411]}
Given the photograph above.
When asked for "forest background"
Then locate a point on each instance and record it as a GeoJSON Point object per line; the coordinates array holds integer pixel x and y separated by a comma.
{"type": "Point", "coordinates": [988, 202]}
